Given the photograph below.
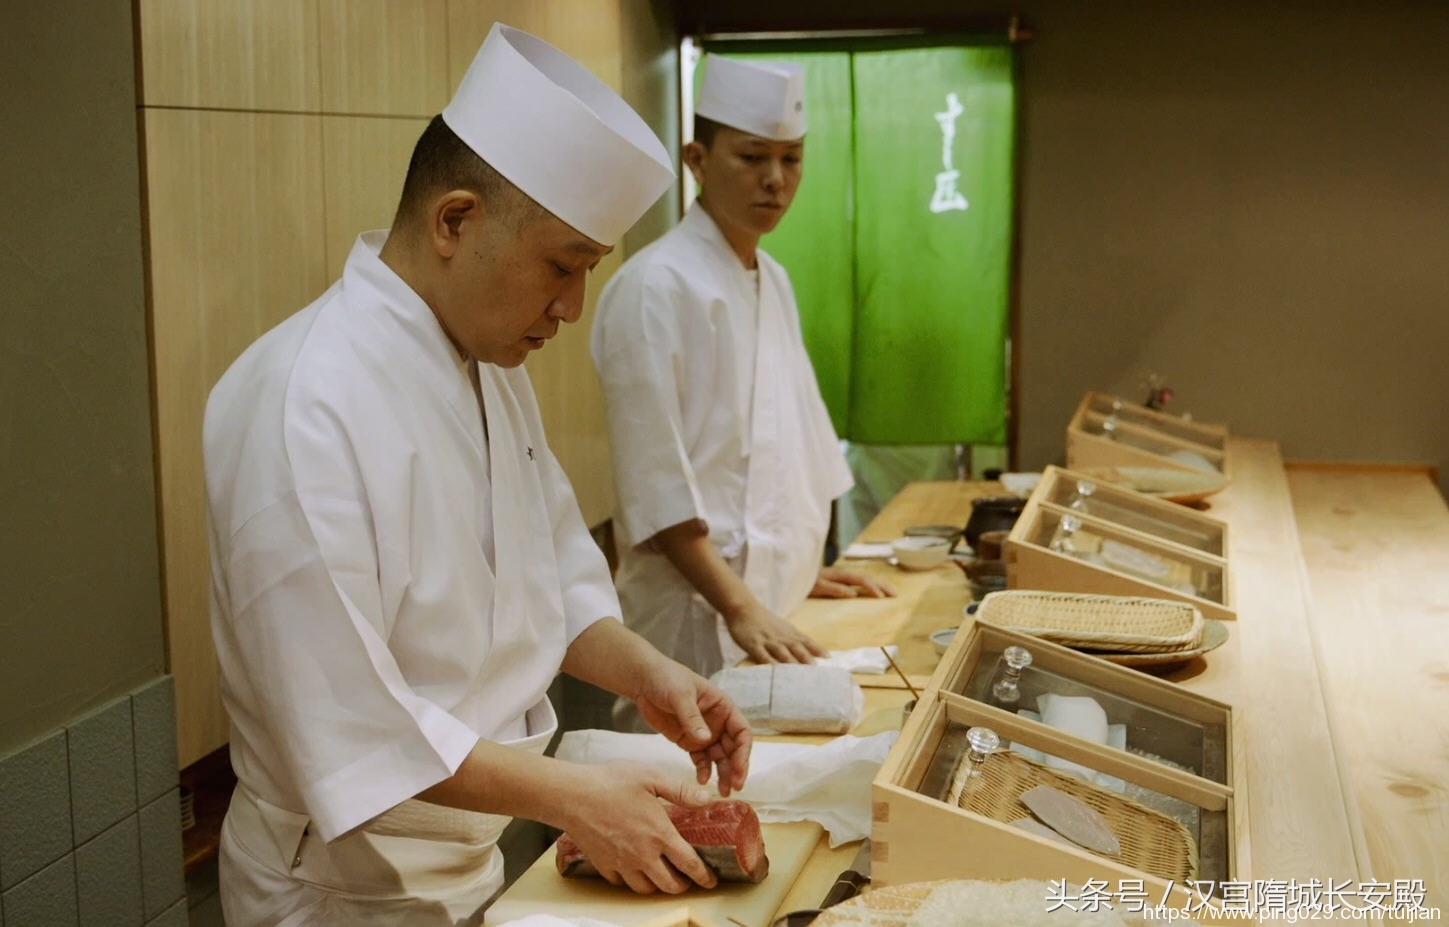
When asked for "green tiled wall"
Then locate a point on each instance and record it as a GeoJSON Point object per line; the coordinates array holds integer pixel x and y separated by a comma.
{"type": "Point", "coordinates": [90, 821]}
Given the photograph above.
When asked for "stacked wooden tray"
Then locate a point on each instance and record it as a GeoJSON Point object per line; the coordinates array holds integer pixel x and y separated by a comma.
{"type": "Point", "coordinates": [1170, 793]}
{"type": "Point", "coordinates": [1078, 535]}
{"type": "Point", "coordinates": [1107, 431]}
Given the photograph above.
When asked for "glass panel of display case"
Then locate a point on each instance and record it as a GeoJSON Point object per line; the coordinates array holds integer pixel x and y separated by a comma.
{"type": "Point", "coordinates": [1186, 452]}
{"type": "Point", "coordinates": [1196, 432]}
{"type": "Point", "coordinates": [1101, 543]}
{"type": "Point", "coordinates": [1166, 521]}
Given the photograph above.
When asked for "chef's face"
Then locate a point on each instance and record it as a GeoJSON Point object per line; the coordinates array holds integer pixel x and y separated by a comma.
{"type": "Point", "coordinates": [746, 181]}
{"type": "Point", "coordinates": [513, 280]}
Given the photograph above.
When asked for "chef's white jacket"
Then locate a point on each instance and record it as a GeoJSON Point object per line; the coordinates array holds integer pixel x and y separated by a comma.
{"type": "Point", "coordinates": [714, 414]}
{"type": "Point", "coordinates": [390, 583]}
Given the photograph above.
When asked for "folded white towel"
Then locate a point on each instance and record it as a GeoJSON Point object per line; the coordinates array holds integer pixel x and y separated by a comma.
{"type": "Point", "coordinates": [860, 659]}
{"type": "Point", "coordinates": [861, 550]}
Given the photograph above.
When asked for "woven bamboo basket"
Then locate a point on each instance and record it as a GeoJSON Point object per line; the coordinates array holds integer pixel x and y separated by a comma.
{"type": "Point", "coordinates": [1120, 624]}
{"type": "Point", "coordinates": [1151, 841]}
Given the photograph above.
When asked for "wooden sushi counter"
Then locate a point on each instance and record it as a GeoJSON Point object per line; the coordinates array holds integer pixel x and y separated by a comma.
{"type": "Point", "coordinates": [1337, 669]}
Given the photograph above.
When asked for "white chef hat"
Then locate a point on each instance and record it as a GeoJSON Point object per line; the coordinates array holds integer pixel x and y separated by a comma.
{"type": "Point", "coordinates": [763, 98]}
{"type": "Point", "coordinates": [559, 134]}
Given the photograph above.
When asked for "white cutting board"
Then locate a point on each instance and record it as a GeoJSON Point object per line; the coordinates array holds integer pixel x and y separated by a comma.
{"type": "Point", "coordinates": [541, 890]}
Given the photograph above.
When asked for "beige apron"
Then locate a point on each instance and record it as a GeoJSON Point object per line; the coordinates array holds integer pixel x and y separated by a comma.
{"type": "Point", "coordinates": [791, 477]}
{"type": "Point", "coordinates": [417, 864]}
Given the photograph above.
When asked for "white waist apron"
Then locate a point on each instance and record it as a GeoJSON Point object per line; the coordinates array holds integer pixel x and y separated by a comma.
{"type": "Point", "coordinates": [416, 864]}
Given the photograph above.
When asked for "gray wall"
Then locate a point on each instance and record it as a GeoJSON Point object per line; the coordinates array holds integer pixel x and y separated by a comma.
{"type": "Point", "coordinates": [90, 826]}
{"type": "Point", "coordinates": [80, 604]}
{"type": "Point", "coordinates": [1250, 199]}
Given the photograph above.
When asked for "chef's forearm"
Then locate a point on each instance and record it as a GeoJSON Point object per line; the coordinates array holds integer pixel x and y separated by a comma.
{"type": "Point", "coordinates": [688, 547]}
{"type": "Point", "coordinates": [612, 657]}
{"type": "Point", "coordinates": [495, 779]}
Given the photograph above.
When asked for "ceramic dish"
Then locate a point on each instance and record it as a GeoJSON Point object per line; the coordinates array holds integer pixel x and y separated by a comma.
{"type": "Point", "coordinates": [920, 552]}
{"type": "Point", "coordinates": [942, 639]}
{"type": "Point", "coordinates": [1214, 634]}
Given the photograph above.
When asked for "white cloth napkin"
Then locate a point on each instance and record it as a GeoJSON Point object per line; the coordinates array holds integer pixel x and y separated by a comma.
{"type": "Point", "coordinates": [1076, 715]}
{"type": "Point", "coordinates": [827, 783]}
{"type": "Point", "coordinates": [860, 659]}
{"type": "Point", "coordinates": [861, 550]}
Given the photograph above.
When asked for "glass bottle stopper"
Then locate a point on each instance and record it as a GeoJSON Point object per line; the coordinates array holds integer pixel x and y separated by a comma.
{"type": "Point", "coordinates": [1109, 426]}
{"type": "Point", "coordinates": [1071, 524]}
{"type": "Point", "coordinates": [1085, 489]}
{"type": "Point", "coordinates": [1007, 689]}
{"type": "Point", "coordinates": [981, 742]}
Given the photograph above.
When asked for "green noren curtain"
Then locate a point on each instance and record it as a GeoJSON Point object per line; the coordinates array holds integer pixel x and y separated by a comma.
{"type": "Point", "coordinates": [899, 241]}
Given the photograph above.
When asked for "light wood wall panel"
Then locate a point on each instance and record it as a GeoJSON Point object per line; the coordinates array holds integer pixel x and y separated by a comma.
{"type": "Point", "coordinates": [230, 54]}
{"type": "Point", "coordinates": [236, 218]}
{"type": "Point", "coordinates": [649, 64]}
{"type": "Point", "coordinates": [366, 160]}
{"type": "Point", "coordinates": [588, 30]}
{"type": "Point", "coordinates": [384, 57]}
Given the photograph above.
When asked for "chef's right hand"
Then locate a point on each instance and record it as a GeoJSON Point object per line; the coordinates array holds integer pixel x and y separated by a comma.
{"type": "Point", "coordinates": [769, 639]}
{"type": "Point", "coordinates": [622, 827]}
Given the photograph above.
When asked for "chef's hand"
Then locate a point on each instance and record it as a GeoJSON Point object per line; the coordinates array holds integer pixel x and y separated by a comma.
{"type": "Point", "coordinates": [701, 719]}
{"type": "Point", "coordinates": [835, 583]}
{"type": "Point", "coordinates": [622, 827]}
{"type": "Point", "coordinates": [768, 639]}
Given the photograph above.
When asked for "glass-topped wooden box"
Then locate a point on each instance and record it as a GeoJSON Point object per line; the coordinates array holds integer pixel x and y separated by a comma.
{"type": "Point", "coordinates": [1076, 534]}
{"type": "Point", "coordinates": [1157, 763]}
{"type": "Point", "coordinates": [1107, 431]}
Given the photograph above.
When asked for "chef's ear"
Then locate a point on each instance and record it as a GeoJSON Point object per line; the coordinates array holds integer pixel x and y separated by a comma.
{"type": "Point", "coordinates": [450, 212]}
{"type": "Point", "coordinates": [694, 152]}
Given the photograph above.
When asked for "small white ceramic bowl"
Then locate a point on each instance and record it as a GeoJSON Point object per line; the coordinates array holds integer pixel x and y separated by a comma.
{"type": "Point", "coordinates": [942, 639]}
{"type": "Point", "coordinates": [920, 553]}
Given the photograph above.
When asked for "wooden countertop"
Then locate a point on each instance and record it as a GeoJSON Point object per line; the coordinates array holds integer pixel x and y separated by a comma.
{"type": "Point", "coordinates": [1302, 816]}
{"type": "Point", "coordinates": [1376, 546]}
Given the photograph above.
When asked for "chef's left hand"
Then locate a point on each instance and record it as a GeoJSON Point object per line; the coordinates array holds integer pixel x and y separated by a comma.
{"type": "Point", "coordinates": [701, 719]}
{"type": "Point", "coordinates": [835, 583]}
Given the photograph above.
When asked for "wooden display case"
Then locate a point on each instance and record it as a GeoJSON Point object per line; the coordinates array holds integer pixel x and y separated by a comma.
{"type": "Point", "coordinates": [1107, 431]}
{"type": "Point", "coordinates": [1171, 791]}
{"type": "Point", "coordinates": [1079, 535]}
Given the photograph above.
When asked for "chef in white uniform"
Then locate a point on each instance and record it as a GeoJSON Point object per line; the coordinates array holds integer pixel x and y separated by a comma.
{"type": "Point", "coordinates": [725, 460]}
{"type": "Point", "coordinates": [399, 565]}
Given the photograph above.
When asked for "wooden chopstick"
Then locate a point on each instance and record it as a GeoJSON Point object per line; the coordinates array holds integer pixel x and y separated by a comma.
{"type": "Point", "coordinates": [914, 694]}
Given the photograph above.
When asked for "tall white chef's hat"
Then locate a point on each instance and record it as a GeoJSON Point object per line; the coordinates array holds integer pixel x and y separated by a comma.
{"type": "Point", "coordinates": [559, 134]}
{"type": "Point", "coordinates": [762, 98]}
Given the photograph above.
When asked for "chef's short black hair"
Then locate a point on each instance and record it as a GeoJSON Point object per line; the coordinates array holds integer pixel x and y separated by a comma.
{"type": "Point", "coordinates": [705, 130]}
{"type": "Point", "coordinates": [442, 161]}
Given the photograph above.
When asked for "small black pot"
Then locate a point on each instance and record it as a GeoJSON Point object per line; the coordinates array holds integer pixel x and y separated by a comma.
{"type": "Point", "coordinates": [998, 513]}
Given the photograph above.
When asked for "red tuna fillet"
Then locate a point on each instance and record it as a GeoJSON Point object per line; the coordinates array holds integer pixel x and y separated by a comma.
{"type": "Point", "coordinates": [726, 834]}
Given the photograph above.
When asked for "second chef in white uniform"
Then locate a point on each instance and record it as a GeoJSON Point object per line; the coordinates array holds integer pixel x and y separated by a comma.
{"type": "Point", "coordinates": [725, 459]}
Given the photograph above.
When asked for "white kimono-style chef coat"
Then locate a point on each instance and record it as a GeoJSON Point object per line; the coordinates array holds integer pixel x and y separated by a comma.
{"type": "Point", "coordinates": [714, 414]}
{"type": "Point", "coordinates": [390, 585]}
